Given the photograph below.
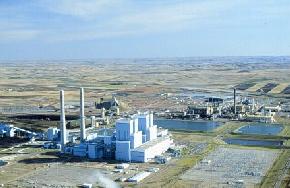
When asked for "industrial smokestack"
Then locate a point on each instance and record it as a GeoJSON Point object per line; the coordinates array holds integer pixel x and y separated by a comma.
{"type": "Point", "coordinates": [253, 104]}
{"type": "Point", "coordinates": [62, 121]}
{"type": "Point", "coordinates": [150, 119]}
{"type": "Point", "coordinates": [82, 115]}
{"type": "Point", "coordinates": [103, 113]}
{"type": "Point", "coordinates": [235, 108]}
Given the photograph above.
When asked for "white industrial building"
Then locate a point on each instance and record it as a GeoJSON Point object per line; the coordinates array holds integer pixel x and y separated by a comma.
{"type": "Point", "coordinates": [6, 130]}
{"type": "Point", "coordinates": [150, 149]}
{"type": "Point", "coordinates": [135, 139]}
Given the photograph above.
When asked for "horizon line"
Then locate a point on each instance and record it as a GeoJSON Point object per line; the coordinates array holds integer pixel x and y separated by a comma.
{"type": "Point", "coordinates": [136, 58]}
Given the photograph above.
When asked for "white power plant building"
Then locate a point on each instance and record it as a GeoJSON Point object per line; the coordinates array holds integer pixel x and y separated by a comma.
{"type": "Point", "coordinates": [134, 139]}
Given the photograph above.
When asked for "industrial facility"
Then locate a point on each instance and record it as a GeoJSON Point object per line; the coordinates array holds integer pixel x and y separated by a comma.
{"type": "Point", "coordinates": [135, 138]}
{"type": "Point", "coordinates": [9, 130]}
{"type": "Point", "coordinates": [233, 106]}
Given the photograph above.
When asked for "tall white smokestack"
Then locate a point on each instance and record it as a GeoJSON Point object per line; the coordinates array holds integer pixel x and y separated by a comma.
{"type": "Point", "coordinates": [235, 107]}
{"type": "Point", "coordinates": [150, 119]}
{"type": "Point", "coordinates": [62, 121]}
{"type": "Point", "coordinates": [253, 105]}
{"type": "Point", "coordinates": [103, 113]}
{"type": "Point", "coordinates": [82, 115]}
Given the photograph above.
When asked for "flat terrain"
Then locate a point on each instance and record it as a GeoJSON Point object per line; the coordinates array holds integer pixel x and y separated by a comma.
{"type": "Point", "coordinates": [29, 165]}
{"type": "Point", "coordinates": [60, 175]}
{"type": "Point", "coordinates": [29, 98]}
{"type": "Point", "coordinates": [137, 81]}
{"type": "Point", "coordinates": [224, 167]}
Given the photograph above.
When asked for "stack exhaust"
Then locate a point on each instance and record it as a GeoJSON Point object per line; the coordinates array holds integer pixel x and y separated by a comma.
{"type": "Point", "coordinates": [62, 122]}
{"type": "Point", "coordinates": [82, 116]}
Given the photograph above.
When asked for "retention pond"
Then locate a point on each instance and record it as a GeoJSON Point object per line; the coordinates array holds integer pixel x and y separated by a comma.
{"type": "Point", "coordinates": [188, 125]}
{"type": "Point", "coordinates": [249, 142]}
{"type": "Point", "coordinates": [260, 129]}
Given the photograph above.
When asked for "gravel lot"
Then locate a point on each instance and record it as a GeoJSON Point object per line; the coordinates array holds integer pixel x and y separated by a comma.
{"type": "Point", "coordinates": [65, 176]}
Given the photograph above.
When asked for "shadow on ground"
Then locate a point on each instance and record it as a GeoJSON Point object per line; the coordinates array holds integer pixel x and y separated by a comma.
{"type": "Point", "coordinates": [56, 157]}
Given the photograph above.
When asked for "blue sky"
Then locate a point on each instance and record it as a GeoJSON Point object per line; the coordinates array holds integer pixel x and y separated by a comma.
{"type": "Point", "coordinates": [77, 29]}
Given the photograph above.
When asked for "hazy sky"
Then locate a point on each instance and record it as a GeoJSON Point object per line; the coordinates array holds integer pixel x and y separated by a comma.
{"type": "Point", "coordinates": [64, 29]}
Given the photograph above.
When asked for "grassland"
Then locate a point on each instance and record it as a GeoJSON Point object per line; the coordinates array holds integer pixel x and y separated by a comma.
{"type": "Point", "coordinates": [279, 89]}
{"type": "Point", "coordinates": [37, 83]}
{"type": "Point", "coordinates": [256, 87]}
{"type": "Point", "coordinates": [276, 176]}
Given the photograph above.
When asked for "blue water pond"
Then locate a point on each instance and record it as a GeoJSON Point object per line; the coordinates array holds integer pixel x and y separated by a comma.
{"type": "Point", "coordinates": [176, 124]}
{"type": "Point", "coordinates": [246, 142]}
{"type": "Point", "coordinates": [260, 129]}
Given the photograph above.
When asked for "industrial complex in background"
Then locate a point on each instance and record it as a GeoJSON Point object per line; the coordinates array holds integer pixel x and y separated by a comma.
{"type": "Point", "coordinates": [235, 108]}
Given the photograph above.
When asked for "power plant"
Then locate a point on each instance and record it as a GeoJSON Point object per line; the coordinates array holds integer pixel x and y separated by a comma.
{"type": "Point", "coordinates": [135, 138]}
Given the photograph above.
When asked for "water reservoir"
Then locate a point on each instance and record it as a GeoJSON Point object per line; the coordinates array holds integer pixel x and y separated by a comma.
{"type": "Point", "coordinates": [176, 124]}
{"type": "Point", "coordinates": [247, 142]}
{"type": "Point", "coordinates": [260, 129]}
